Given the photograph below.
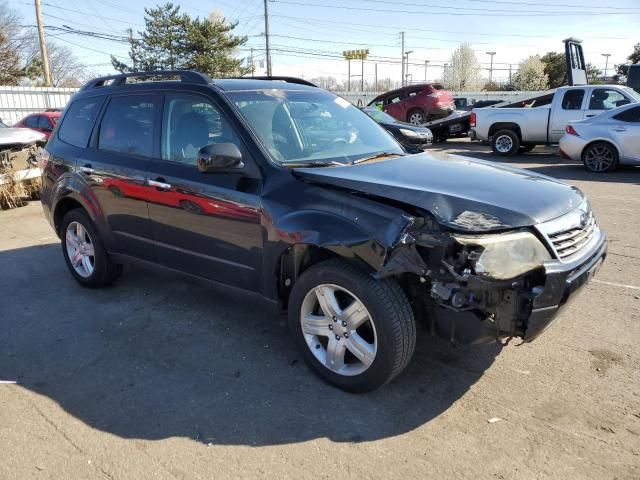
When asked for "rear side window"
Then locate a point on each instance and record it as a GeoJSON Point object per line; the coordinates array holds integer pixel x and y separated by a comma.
{"type": "Point", "coordinates": [78, 121]}
{"type": "Point", "coordinates": [127, 125]}
{"type": "Point", "coordinates": [573, 99]}
{"type": "Point", "coordinates": [631, 115]}
{"type": "Point", "coordinates": [606, 99]}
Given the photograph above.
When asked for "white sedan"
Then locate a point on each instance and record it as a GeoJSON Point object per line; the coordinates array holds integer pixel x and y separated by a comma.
{"type": "Point", "coordinates": [605, 141]}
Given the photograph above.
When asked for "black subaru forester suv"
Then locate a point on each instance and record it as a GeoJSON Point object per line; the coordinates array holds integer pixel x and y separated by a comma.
{"type": "Point", "coordinates": [278, 187]}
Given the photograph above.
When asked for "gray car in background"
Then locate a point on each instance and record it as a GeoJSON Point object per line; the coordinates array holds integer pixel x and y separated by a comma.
{"type": "Point", "coordinates": [605, 141]}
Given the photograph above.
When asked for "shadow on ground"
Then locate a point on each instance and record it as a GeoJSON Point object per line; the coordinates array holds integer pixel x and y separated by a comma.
{"type": "Point", "coordinates": [159, 355]}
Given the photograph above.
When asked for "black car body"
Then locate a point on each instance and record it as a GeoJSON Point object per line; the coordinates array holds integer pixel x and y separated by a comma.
{"type": "Point", "coordinates": [413, 138]}
{"type": "Point", "coordinates": [384, 235]}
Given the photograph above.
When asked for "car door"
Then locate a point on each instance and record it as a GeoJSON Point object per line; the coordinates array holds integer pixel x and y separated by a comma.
{"type": "Point", "coordinates": [626, 132]}
{"type": "Point", "coordinates": [207, 224]}
{"type": "Point", "coordinates": [603, 99]}
{"type": "Point", "coordinates": [569, 108]}
{"type": "Point", "coordinates": [116, 164]}
{"type": "Point", "coordinates": [394, 106]}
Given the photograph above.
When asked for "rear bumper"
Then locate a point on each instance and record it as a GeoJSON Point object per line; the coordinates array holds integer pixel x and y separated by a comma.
{"type": "Point", "coordinates": [563, 283]}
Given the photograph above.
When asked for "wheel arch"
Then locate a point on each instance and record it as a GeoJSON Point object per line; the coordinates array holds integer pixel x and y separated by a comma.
{"type": "Point", "coordinates": [495, 127]}
{"type": "Point", "coordinates": [600, 140]}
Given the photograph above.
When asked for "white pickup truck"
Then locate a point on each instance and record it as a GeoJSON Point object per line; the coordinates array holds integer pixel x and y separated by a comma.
{"type": "Point", "coordinates": [543, 119]}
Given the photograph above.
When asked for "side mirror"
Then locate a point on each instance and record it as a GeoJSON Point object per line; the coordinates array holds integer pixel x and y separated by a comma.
{"type": "Point", "coordinates": [219, 156]}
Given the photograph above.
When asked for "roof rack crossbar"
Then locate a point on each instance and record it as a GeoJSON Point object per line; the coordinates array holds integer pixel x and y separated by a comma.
{"type": "Point", "coordinates": [299, 81]}
{"type": "Point", "coordinates": [186, 76]}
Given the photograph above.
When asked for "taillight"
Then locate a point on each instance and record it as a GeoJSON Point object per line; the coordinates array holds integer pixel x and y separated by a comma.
{"type": "Point", "coordinates": [571, 131]}
{"type": "Point", "coordinates": [472, 122]}
{"type": "Point", "coordinates": [43, 158]}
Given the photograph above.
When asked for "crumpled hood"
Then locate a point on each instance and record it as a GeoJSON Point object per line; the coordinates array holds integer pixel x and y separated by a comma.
{"type": "Point", "coordinates": [462, 193]}
{"type": "Point", "coordinates": [25, 136]}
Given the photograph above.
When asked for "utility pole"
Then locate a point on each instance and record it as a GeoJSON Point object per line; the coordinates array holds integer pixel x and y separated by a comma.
{"type": "Point", "coordinates": [426, 62]}
{"type": "Point", "coordinates": [252, 69]}
{"type": "Point", "coordinates": [491, 54]}
{"type": "Point", "coordinates": [606, 63]}
{"type": "Point", "coordinates": [266, 37]}
{"type": "Point", "coordinates": [509, 74]}
{"type": "Point", "coordinates": [348, 74]}
{"type": "Point", "coordinates": [362, 73]}
{"type": "Point", "coordinates": [375, 83]}
{"type": "Point", "coordinates": [402, 58]}
{"type": "Point", "coordinates": [43, 46]}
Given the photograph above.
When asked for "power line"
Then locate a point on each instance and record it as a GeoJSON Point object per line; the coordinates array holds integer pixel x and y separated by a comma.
{"type": "Point", "coordinates": [456, 14]}
{"type": "Point", "coordinates": [444, 7]}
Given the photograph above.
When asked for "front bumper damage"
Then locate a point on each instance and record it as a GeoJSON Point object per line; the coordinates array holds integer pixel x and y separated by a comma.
{"type": "Point", "coordinates": [468, 308]}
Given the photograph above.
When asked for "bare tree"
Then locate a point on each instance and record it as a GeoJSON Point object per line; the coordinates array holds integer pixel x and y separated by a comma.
{"type": "Point", "coordinates": [530, 75]}
{"type": "Point", "coordinates": [463, 73]}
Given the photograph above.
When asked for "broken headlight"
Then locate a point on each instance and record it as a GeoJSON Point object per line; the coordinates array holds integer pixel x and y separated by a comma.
{"type": "Point", "coordinates": [507, 255]}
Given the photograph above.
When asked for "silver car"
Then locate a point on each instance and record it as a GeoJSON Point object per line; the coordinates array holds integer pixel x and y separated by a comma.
{"type": "Point", "coordinates": [605, 141]}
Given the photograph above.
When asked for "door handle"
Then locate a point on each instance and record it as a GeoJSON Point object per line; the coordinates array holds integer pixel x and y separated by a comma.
{"type": "Point", "coordinates": [87, 169]}
{"type": "Point", "coordinates": [159, 183]}
{"type": "Point", "coordinates": [619, 129]}
{"type": "Point", "coordinates": [589, 116]}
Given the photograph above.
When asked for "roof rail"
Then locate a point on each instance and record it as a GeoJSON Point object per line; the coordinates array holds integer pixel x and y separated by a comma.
{"type": "Point", "coordinates": [186, 76]}
{"type": "Point", "coordinates": [299, 81]}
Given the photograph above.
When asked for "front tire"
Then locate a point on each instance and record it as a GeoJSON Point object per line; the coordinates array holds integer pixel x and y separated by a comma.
{"type": "Point", "coordinates": [355, 332]}
{"type": "Point", "coordinates": [505, 143]}
{"type": "Point", "coordinates": [84, 252]}
{"type": "Point", "coordinates": [600, 157]}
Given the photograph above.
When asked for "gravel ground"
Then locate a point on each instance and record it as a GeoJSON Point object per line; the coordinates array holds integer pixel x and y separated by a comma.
{"type": "Point", "coordinates": [162, 376]}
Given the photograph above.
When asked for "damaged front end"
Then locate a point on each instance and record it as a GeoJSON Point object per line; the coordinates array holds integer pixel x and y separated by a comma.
{"type": "Point", "coordinates": [475, 288]}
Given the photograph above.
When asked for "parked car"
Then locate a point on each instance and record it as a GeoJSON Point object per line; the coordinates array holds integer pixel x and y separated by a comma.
{"type": "Point", "coordinates": [605, 141]}
{"type": "Point", "coordinates": [43, 122]}
{"type": "Point", "coordinates": [352, 236]}
{"type": "Point", "coordinates": [416, 104]}
{"type": "Point", "coordinates": [543, 119]}
{"type": "Point", "coordinates": [412, 137]}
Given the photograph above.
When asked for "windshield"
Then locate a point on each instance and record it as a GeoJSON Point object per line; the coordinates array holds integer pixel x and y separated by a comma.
{"type": "Point", "coordinates": [309, 126]}
{"type": "Point", "coordinates": [379, 116]}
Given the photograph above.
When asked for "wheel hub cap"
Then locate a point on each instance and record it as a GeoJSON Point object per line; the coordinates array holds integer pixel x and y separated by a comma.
{"type": "Point", "coordinates": [338, 330]}
{"type": "Point", "coordinates": [504, 143]}
{"type": "Point", "coordinates": [599, 158]}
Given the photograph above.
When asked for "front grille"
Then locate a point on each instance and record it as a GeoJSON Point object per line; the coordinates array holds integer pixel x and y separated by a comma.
{"type": "Point", "coordinates": [569, 242]}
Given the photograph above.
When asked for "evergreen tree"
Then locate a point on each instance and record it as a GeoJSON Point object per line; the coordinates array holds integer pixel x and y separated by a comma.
{"type": "Point", "coordinates": [173, 40]}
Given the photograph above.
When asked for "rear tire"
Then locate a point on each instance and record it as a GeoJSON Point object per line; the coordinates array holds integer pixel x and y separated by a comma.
{"type": "Point", "coordinates": [84, 252]}
{"type": "Point", "coordinates": [505, 143]}
{"type": "Point", "coordinates": [416, 117]}
{"type": "Point", "coordinates": [600, 157]}
{"type": "Point", "coordinates": [339, 312]}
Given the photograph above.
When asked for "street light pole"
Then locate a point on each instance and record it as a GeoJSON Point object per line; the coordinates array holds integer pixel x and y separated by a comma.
{"type": "Point", "coordinates": [491, 67]}
{"type": "Point", "coordinates": [266, 37]}
{"type": "Point", "coordinates": [606, 63]}
{"type": "Point", "coordinates": [406, 73]}
{"type": "Point", "coordinates": [426, 62]}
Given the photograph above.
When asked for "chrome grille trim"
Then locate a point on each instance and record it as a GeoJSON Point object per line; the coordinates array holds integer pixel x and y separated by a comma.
{"type": "Point", "coordinates": [572, 235]}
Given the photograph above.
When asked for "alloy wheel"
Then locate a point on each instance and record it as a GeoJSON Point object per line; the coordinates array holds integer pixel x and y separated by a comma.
{"type": "Point", "coordinates": [599, 158]}
{"type": "Point", "coordinates": [416, 118]}
{"type": "Point", "coordinates": [80, 249]}
{"type": "Point", "coordinates": [338, 330]}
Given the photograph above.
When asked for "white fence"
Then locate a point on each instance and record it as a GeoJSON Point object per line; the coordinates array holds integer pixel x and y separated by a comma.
{"type": "Point", "coordinates": [17, 102]}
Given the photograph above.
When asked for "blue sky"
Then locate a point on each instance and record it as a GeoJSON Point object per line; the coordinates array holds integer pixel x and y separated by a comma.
{"type": "Point", "coordinates": [308, 36]}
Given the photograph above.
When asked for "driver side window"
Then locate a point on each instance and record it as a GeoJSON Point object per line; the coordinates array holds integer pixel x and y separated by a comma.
{"type": "Point", "coordinates": [190, 123]}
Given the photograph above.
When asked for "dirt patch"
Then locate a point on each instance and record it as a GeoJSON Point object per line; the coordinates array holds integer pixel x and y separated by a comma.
{"type": "Point", "coordinates": [604, 359]}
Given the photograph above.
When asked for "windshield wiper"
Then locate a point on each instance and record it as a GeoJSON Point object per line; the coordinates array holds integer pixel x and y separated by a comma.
{"type": "Point", "coordinates": [377, 156]}
{"type": "Point", "coordinates": [314, 163]}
